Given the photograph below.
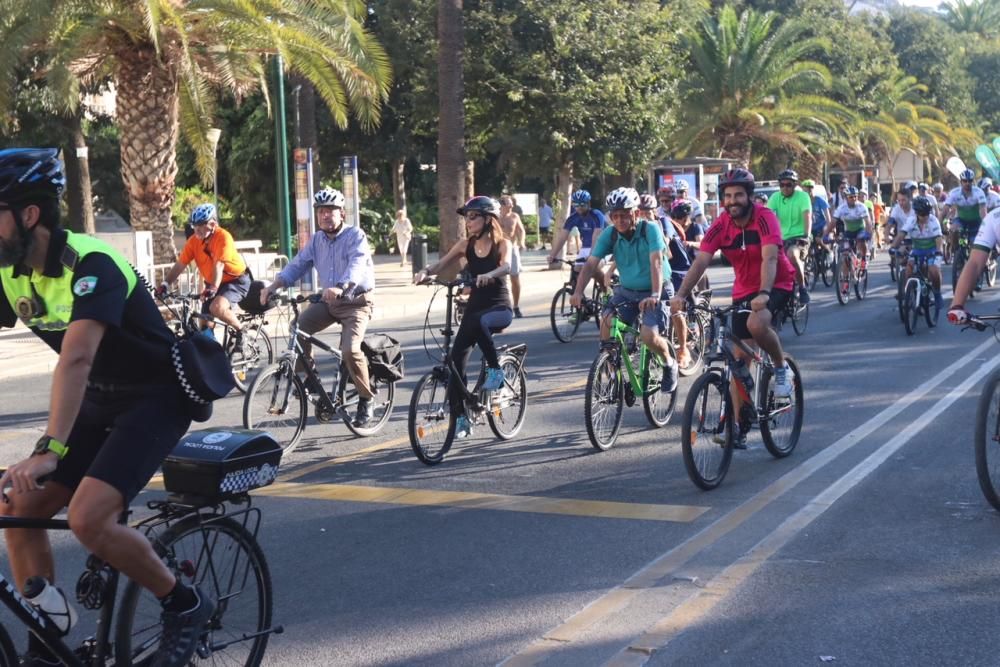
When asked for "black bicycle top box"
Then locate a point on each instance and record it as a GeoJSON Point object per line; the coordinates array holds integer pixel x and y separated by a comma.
{"type": "Point", "coordinates": [218, 462]}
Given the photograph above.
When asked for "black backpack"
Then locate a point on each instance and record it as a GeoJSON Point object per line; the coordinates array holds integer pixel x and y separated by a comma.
{"type": "Point", "coordinates": [385, 357]}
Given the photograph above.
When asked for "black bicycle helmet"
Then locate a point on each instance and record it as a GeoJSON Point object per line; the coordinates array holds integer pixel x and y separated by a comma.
{"type": "Point", "coordinates": [789, 175]}
{"type": "Point", "coordinates": [738, 176]}
{"type": "Point", "coordinates": [680, 209]}
{"type": "Point", "coordinates": [484, 205]}
{"type": "Point", "coordinates": [922, 206]}
{"type": "Point", "coordinates": [31, 175]}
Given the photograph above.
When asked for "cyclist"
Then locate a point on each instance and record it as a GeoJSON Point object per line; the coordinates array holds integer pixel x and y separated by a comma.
{"type": "Point", "coordinates": [986, 240]}
{"type": "Point", "coordinates": [343, 262]}
{"type": "Point", "coordinates": [697, 216]}
{"type": "Point", "coordinates": [992, 198]}
{"type": "Point", "coordinates": [939, 193]}
{"type": "Point", "coordinates": [924, 232]}
{"type": "Point", "coordinates": [222, 268]}
{"type": "Point", "coordinates": [793, 208]}
{"type": "Point", "coordinates": [820, 209]}
{"type": "Point", "coordinates": [749, 237]}
{"type": "Point", "coordinates": [638, 247]}
{"type": "Point", "coordinates": [965, 207]}
{"type": "Point", "coordinates": [857, 228]}
{"type": "Point", "coordinates": [683, 237]}
{"type": "Point", "coordinates": [513, 229]}
{"type": "Point", "coordinates": [902, 210]}
{"type": "Point", "coordinates": [924, 190]}
{"type": "Point", "coordinates": [587, 221]}
{"type": "Point", "coordinates": [487, 252]}
{"type": "Point", "coordinates": [665, 196]}
{"type": "Point", "coordinates": [117, 409]}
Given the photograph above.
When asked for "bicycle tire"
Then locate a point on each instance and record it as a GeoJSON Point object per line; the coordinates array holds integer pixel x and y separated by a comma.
{"type": "Point", "coordinates": [843, 296]}
{"type": "Point", "coordinates": [900, 288]}
{"type": "Point", "coordinates": [657, 413]}
{"type": "Point", "coordinates": [244, 369]}
{"type": "Point", "coordinates": [811, 270]}
{"type": "Point", "coordinates": [768, 427]}
{"type": "Point", "coordinates": [270, 385]}
{"type": "Point", "coordinates": [988, 439]}
{"type": "Point", "coordinates": [8, 653]}
{"type": "Point", "coordinates": [931, 310]}
{"type": "Point", "coordinates": [707, 466]}
{"type": "Point", "coordinates": [956, 267]}
{"type": "Point", "coordinates": [564, 318]}
{"type": "Point", "coordinates": [911, 306]}
{"type": "Point", "coordinates": [428, 416]}
{"type": "Point", "coordinates": [513, 393]}
{"type": "Point", "coordinates": [696, 342]}
{"type": "Point", "coordinates": [991, 271]}
{"type": "Point", "coordinates": [861, 284]}
{"type": "Point", "coordinates": [893, 268]}
{"type": "Point", "coordinates": [384, 395]}
{"type": "Point", "coordinates": [826, 269]}
{"type": "Point", "coordinates": [140, 610]}
{"type": "Point", "coordinates": [605, 377]}
{"type": "Point", "coordinates": [800, 317]}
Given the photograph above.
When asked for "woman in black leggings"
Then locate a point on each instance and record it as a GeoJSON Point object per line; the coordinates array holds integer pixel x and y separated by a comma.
{"type": "Point", "coordinates": [487, 256]}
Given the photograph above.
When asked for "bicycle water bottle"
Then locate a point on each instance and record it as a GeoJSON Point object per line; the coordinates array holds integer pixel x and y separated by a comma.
{"type": "Point", "coordinates": [742, 371]}
{"type": "Point", "coordinates": [50, 600]}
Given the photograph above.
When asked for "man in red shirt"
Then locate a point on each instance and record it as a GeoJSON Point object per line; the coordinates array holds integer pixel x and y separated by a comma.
{"type": "Point", "coordinates": [749, 235]}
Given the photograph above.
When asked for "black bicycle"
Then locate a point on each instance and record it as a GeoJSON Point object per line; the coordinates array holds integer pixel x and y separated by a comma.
{"type": "Point", "coordinates": [248, 352]}
{"type": "Point", "coordinates": [206, 536]}
{"type": "Point", "coordinates": [278, 399]}
{"type": "Point", "coordinates": [430, 426]}
{"type": "Point", "coordinates": [918, 297]}
{"type": "Point", "coordinates": [566, 318]}
{"type": "Point", "coordinates": [708, 431]}
{"type": "Point", "coordinates": [818, 264]}
{"type": "Point", "coordinates": [987, 442]}
{"type": "Point", "coordinates": [796, 311]}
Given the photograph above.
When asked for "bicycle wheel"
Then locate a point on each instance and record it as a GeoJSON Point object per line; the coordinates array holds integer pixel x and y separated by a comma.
{"type": "Point", "coordinates": [384, 397]}
{"type": "Point", "coordinates": [782, 420]}
{"type": "Point", "coordinates": [225, 561]}
{"type": "Point", "coordinates": [988, 440]}
{"type": "Point", "coordinates": [8, 654]}
{"type": "Point", "coordinates": [565, 319]}
{"type": "Point", "coordinates": [811, 271]}
{"type": "Point", "coordinates": [861, 283]}
{"type": "Point", "coordinates": [707, 431]}
{"type": "Point", "coordinates": [696, 341]}
{"type": "Point", "coordinates": [842, 283]}
{"type": "Point", "coordinates": [276, 403]}
{"type": "Point", "coordinates": [900, 288]}
{"type": "Point", "coordinates": [603, 403]}
{"type": "Point", "coordinates": [893, 268]}
{"type": "Point", "coordinates": [931, 311]}
{"type": "Point", "coordinates": [826, 269]}
{"type": "Point", "coordinates": [957, 266]}
{"type": "Point", "coordinates": [429, 423]}
{"type": "Point", "coordinates": [800, 316]}
{"type": "Point", "coordinates": [911, 307]}
{"type": "Point", "coordinates": [246, 359]}
{"type": "Point", "coordinates": [991, 270]}
{"type": "Point", "coordinates": [657, 404]}
{"type": "Point", "coordinates": [509, 403]}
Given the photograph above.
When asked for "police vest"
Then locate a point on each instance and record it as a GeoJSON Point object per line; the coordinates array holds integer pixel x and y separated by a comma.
{"type": "Point", "coordinates": [45, 303]}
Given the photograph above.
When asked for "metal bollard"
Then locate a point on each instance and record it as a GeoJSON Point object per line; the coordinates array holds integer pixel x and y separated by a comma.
{"type": "Point", "coordinates": [419, 252]}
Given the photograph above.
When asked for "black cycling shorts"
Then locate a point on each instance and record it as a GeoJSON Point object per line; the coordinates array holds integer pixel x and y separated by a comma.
{"type": "Point", "coordinates": [233, 291]}
{"type": "Point", "coordinates": [779, 298]}
{"type": "Point", "coordinates": [122, 436]}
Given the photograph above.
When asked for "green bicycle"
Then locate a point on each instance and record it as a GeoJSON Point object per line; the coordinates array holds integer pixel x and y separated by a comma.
{"type": "Point", "coordinates": [624, 370]}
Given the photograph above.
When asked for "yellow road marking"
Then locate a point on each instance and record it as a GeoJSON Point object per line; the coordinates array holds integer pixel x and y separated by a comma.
{"type": "Point", "coordinates": [486, 501]}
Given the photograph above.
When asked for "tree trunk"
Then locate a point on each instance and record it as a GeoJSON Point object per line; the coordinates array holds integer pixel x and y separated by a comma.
{"type": "Point", "coordinates": [147, 118]}
{"type": "Point", "coordinates": [470, 179]}
{"type": "Point", "coordinates": [308, 133]}
{"type": "Point", "coordinates": [809, 167]}
{"type": "Point", "coordinates": [79, 195]}
{"type": "Point", "coordinates": [399, 184]}
{"type": "Point", "coordinates": [451, 120]}
{"type": "Point", "coordinates": [561, 199]}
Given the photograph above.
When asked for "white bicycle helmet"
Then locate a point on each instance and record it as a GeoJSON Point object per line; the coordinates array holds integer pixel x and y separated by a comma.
{"type": "Point", "coordinates": [623, 198]}
{"type": "Point", "coordinates": [329, 197]}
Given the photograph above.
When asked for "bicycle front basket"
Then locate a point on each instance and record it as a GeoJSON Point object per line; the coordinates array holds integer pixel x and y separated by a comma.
{"type": "Point", "coordinates": [216, 463]}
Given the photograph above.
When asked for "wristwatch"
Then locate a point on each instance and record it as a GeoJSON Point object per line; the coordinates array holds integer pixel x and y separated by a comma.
{"type": "Point", "coordinates": [49, 444]}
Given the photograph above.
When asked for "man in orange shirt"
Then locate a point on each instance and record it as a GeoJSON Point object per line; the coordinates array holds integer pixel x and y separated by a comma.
{"type": "Point", "coordinates": [220, 265]}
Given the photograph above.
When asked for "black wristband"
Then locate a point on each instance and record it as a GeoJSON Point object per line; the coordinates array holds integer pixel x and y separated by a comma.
{"type": "Point", "coordinates": [764, 291]}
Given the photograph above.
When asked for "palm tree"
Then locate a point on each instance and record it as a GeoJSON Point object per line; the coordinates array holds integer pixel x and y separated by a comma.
{"type": "Point", "coordinates": [451, 120]}
{"type": "Point", "coordinates": [751, 83]}
{"type": "Point", "coordinates": [978, 17]}
{"type": "Point", "coordinates": [165, 59]}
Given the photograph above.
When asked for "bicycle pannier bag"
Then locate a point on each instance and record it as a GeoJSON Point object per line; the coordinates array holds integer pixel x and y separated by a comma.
{"type": "Point", "coordinates": [216, 463]}
{"type": "Point", "coordinates": [385, 357]}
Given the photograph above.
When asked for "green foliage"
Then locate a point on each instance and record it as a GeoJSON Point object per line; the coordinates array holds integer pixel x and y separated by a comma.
{"type": "Point", "coordinates": [187, 199]}
{"type": "Point", "coordinates": [378, 227]}
{"type": "Point", "coordinates": [530, 225]}
{"type": "Point", "coordinates": [433, 234]}
{"type": "Point", "coordinates": [984, 64]}
{"type": "Point", "coordinates": [978, 17]}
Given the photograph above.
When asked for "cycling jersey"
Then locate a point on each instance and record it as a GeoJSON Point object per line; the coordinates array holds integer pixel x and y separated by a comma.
{"type": "Point", "coordinates": [992, 200]}
{"type": "Point", "coordinates": [853, 217]}
{"type": "Point", "coordinates": [923, 238]}
{"type": "Point", "coordinates": [680, 262]}
{"type": "Point", "coordinates": [791, 212]}
{"type": "Point", "coordinates": [967, 205]}
{"type": "Point", "coordinates": [899, 217]}
{"type": "Point", "coordinates": [588, 223]}
{"type": "Point", "coordinates": [85, 279]}
{"type": "Point", "coordinates": [632, 255]}
{"type": "Point", "coordinates": [989, 232]}
{"type": "Point", "coordinates": [743, 246]}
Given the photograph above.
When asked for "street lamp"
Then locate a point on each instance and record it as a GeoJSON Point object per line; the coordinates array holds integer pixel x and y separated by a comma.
{"type": "Point", "coordinates": [213, 134]}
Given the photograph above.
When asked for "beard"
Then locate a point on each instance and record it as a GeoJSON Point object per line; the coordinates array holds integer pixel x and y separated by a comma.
{"type": "Point", "coordinates": [14, 252]}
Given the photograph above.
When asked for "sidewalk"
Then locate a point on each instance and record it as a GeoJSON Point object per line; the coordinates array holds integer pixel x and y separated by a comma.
{"type": "Point", "coordinates": [396, 297]}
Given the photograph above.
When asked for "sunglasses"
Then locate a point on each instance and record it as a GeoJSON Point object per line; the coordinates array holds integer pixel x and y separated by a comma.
{"type": "Point", "coordinates": [964, 181]}
{"type": "Point", "coordinates": [472, 215]}
{"type": "Point", "coordinates": [786, 185]}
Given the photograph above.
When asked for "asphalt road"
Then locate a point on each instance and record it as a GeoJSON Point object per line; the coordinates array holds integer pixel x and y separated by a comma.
{"type": "Point", "coordinates": [870, 545]}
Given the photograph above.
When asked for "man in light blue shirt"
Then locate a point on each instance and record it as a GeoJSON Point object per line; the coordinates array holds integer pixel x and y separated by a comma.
{"type": "Point", "coordinates": [343, 262]}
{"type": "Point", "coordinates": [545, 215]}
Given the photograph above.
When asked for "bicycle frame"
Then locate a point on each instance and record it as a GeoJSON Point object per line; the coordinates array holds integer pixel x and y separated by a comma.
{"type": "Point", "coordinates": [295, 350]}
{"type": "Point", "coordinates": [618, 331]}
{"type": "Point", "coordinates": [724, 343]}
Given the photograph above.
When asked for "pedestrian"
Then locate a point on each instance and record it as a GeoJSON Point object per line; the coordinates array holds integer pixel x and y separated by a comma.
{"type": "Point", "coordinates": [513, 230]}
{"type": "Point", "coordinates": [545, 216]}
{"type": "Point", "coordinates": [404, 232]}
{"type": "Point", "coordinates": [343, 260]}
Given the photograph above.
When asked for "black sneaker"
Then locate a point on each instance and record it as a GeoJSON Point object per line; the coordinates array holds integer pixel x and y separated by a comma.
{"type": "Point", "coordinates": [182, 631]}
{"type": "Point", "coordinates": [366, 410]}
{"type": "Point", "coordinates": [803, 295]}
{"type": "Point", "coordinates": [517, 312]}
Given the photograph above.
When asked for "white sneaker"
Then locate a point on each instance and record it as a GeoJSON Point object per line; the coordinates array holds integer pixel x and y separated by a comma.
{"type": "Point", "coordinates": [783, 382]}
